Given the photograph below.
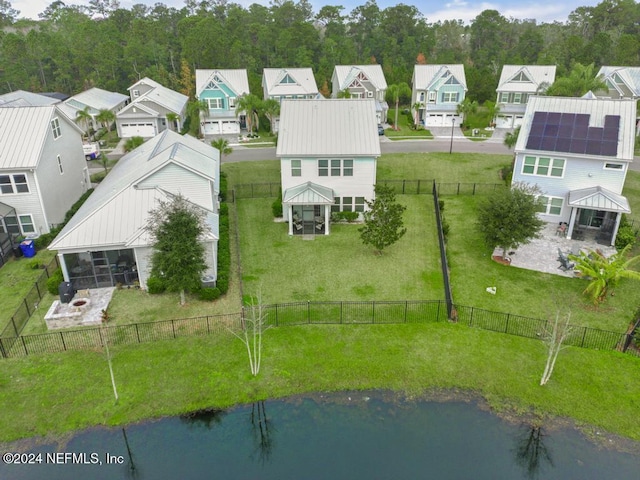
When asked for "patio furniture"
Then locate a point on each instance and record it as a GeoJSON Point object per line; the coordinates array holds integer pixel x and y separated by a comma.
{"type": "Point", "coordinates": [578, 234]}
{"type": "Point", "coordinates": [565, 263]}
{"type": "Point", "coordinates": [562, 229]}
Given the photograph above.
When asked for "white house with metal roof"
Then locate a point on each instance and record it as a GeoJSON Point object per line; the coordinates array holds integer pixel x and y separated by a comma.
{"type": "Point", "coordinates": [517, 83]}
{"type": "Point", "coordinates": [577, 151]}
{"type": "Point", "coordinates": [22, 98]}
{"type": "Point", "coordinates": [153, 109]}
{"type": "Point", "coordinates": [328, 150]}
{"type": "Point", "coordinates": [292, 83]}
{"type": "Point", "coordinates": [95, 100]}
{"type": "Point", "coordinates": [42, 168]}
{"type": "Point", "coordinates": [362, 81]}
{"type": "Point", "coordinates": [436, 92]}
{"type": "Point", "coordinates": [106, 241]}
{"type": "Point", "coordinates": [220, 89]}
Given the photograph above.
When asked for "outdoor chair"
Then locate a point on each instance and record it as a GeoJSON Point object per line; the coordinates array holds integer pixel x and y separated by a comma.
{"type": "Point", "coordinates": [565, 263]}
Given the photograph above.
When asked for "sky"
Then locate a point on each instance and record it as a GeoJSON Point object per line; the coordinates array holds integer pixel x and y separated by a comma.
{"type": "Point", "coordinates": [466, 10]}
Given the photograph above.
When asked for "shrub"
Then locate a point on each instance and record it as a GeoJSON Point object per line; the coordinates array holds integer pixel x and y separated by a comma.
{"type": "Point", "coordinates": [35, 264]}
{"type": "Point", "coordinates": [626, 236]}
{"type": "Point", "coordinates": [54, 281]}
{"type": "Point", "coordinates": [98, 177]}
{"type": "Point", "coordinates": [276, 206]}
{"type": "Point", "coordinates": [223, 187]}
{"type": "Point", "coordinates": [224, 252]}
{"type": "Point", "coordinates": [155, 285]}
{"type": "Point", "coordinates": [209, 294]}
{"type": "Point", "coordinates": [43, 240]}
{"type": "Point", "coordinates": [348, 216]}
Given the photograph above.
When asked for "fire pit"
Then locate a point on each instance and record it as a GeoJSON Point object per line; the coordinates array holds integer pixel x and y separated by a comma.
{"type": "Point", "coordinates": [79, 303]}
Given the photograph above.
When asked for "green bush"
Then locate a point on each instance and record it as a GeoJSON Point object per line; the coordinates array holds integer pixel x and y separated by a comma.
{"type": "Point", "coordinates": [348, 216]}
{"type": "Point", "coordinates": [276, 206]}
{"type": "Point", "coordinates": [35, 264]}
{"type": "Point", "coordinates": [54, 281]}
{"type": "Point", "coordinates": [43, 240]}
{"type": "Point", "coordinates": [626, 236]}
{"type": "Point", "coordinates": [98, 177]}
{"type": "Point", "coordinates": [223, 187]}
{"type": "Point", "coordinates": [155, 285]}
{"type": "Point", "coordinates": [224, 252]}
{"type": "Point", "coordinates": [209, 294]}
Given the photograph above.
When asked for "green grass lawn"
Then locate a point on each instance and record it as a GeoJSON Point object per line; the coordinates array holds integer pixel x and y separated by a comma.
{"type": "Point", "coordinates": [520, 291]}
{"type": "Point", "coordinates": [338, 266]}
{"type": "Point", "coordinates": [404, 129]}
{"type": "Point", "coordinates": [59, 393]}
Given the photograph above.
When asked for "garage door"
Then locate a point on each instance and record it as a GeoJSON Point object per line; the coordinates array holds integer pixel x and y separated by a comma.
{"type": "Point", "coordinates": [230, 127]}
{"type": "Point", "coordinates": [210, 128]}
{"type": "Point", "coordinates": [434, 120]}
{"type": "Point", "coordinates": [145, 130]}
{"type": "Point", "coordinates": [518, 121]}
{"type": "Point", "coordinates": [504, 121]}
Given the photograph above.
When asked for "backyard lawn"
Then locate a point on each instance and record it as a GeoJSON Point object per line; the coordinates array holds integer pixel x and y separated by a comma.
{"type": "Point", "coordinates": [338, 266]}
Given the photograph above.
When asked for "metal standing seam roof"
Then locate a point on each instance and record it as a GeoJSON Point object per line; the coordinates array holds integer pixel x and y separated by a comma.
{"type": "Point", "coordinates": [597, 109]}
{"type": "Point", "coordinates": [305, 81]}
{"type": "Point", "coordinates": [165, 97]}
{"type": "Point", "coordinates": [599, 198]}
{"type": "Point", "coordinates": [23, 132]}
{"type": "Point", "coordinates": [117, 210]}
{"type": "Point", "coordinates": [425, 75]}
{"type": "Point", "coordinates": [308, 193]}
{"type": "Point", "coordinates": [344, 127]}
{"type": "Point", "coordinates": [538, 74]}
{"type": "Point", "coordinates": [630, 75]}
{"type": "Point", "coordinates": [99, 99]}
{"type": "Point", "coordinates": [236, 79]}
{"type": "Point", "coordinates": [346, 73]}
{"type": "Point", "coordinates": [21, 98]}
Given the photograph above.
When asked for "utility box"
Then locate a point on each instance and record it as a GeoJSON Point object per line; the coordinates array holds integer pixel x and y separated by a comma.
{"type": "Point", "coordinates": [66, 292]}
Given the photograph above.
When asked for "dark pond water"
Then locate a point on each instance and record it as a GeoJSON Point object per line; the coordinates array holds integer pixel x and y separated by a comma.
{"type": "Point", "coordinates": [347, 436]}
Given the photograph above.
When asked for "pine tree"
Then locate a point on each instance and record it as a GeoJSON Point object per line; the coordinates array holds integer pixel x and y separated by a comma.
{"type": "Point", "coordinates": [383, 225]}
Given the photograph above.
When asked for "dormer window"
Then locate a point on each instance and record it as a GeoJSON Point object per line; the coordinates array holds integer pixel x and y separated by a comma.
{"type": "Point", "coordinates": [521, 77]}
{"type": "Point", "coordinates": [452, 81]}
{"type": "Point", "coordinates": [287, 79]}
{"type": "Point", "coordinates": [212, 86]}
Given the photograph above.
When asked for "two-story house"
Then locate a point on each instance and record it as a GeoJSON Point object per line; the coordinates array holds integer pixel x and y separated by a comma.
{"type": "Point", "coordinates": [577, 151]}
{"type": "Point", "coordinates": [292, 83]}
{"type": "Point", "coordinates": [437, 90]}
{"type": "Point", "coordinates": [220, 89]}
{"type": "Point", "coordinates": [94, 100]}
{"type": "Point", "coordinates": [22, 98]}
{"type": "Point", "coordinates": [42, 169]}
{"type": "Point", "coordinates": [362, 81]}
{"type": "Point", "coordinates": [153, 109]}
{"type": "Point", "coordinates": [106, 242]}
{"type": "Point", "coordinates": [328, 150]}
{"type": "Point", "coordinates": [622, 82]}
{"type": "Point", "coordinates": [517, 83]}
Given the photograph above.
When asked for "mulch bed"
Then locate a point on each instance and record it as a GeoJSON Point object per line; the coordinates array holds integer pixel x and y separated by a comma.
{"type": "Point", "coordinates": [499, 259]}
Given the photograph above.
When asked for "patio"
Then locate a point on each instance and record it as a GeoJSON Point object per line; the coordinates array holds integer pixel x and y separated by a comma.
{"type": "Point", "coordinates": [542, 253]}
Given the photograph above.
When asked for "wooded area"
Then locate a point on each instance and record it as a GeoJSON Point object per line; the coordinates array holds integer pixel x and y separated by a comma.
{"type": "Point", "coordinates": [73, 48]}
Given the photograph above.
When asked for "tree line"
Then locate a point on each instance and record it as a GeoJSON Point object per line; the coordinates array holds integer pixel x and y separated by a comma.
{"type": "Point", "coordinates": [72, 48]}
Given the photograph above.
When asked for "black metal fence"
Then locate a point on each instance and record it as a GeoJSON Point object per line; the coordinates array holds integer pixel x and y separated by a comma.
{"type": "Point", "coordinates": [29, 302]}
{"type": "Point", "coordinates": [309, 313]}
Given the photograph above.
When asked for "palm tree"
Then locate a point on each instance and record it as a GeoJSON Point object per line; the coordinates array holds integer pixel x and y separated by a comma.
{"type": "Point", "coordinates": [84, 119]}
{"type": "Point", "coordinates": [194, 109]}
{"type": "Point", "coordinates": [394, 92]}
{"type": "Point", "coordinates": [133, 143]}
{"type": "Point", "coordinates": [466, 107]}
{"type": "Point", "coordinates": [271, 108]}
{"type": "Point", "coordinates": [172, 118]}
{"type": "Point", "coordinates": [250, 104]}
{"type": "Point", "coordinates": [603, 272]}
{"type": "Point", "coordinates": [581, 79]}
{"type": "Point", "coordinates": [416, 107]}
{"type": "Point", "coordinates": [106, 118]}
{"type": "Point", "coordinates": [493, 109]}
{"type": "Point", "coordinates": [222, 145]}
{"type": "Point", "coordinates": [511, 138]}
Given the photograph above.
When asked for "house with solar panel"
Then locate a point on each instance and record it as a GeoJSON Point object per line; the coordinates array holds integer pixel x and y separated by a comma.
{"type": "Point", "coordinates": [328, 151]}
{"type": "Point", "coordinates": [153, 109]}
{"type": "Point", "coordinates": [437, 90]}
{"type": "Point", "coordinates": [219, 90]}
{"type": "Point", "coordinates": [291, 83]}
{"type": "Point", "coordinates": [577, 151]}
{"type": "Point", "coordinates": [362, 81]}
{"type": "Point", "coordinates": [106, 242]}
{"type": "Point", "coordinates": [517, 83]}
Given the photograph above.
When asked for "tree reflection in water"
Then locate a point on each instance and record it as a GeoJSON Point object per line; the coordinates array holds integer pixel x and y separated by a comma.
{"type": "Point", "coordinates": [262, 428]}
{"type": "Point", "coordinates": [531, 452]}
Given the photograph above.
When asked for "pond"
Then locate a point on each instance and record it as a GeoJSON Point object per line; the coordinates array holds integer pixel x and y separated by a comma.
{"type": "Point", "coordinates": [348, 435]}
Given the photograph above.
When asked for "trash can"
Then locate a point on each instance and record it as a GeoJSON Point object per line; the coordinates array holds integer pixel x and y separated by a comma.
{"type": "Point", "coordinates": [28, 248]}
{"type": "Point", "coordinates": [17, 251]}
{"type": "Point", "coordinates": [66, 292]}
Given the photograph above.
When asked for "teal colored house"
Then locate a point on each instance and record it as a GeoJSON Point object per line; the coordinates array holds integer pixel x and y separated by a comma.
{"type": "Point", "coordinates": [437, 92]}
{"type": "Point", "coordinates": [220, 89]}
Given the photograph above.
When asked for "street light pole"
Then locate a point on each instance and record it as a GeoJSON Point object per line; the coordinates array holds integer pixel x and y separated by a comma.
{"type": "Point", "coordinates": [453, 123]}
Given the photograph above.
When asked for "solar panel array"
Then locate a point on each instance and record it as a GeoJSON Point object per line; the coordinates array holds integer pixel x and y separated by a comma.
{"type": "Point", "coordinates": [571, 133]}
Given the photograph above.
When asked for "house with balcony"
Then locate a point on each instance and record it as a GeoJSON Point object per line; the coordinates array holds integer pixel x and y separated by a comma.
{"type": "Point", "coordinates": [518, 83]}
{"type": "Point", "coordinates": [577, 151]}
{"type": "Point", "coordinates": [362, 81]}
{"type": "Point", "coordinates": [106, 242]}
{"type": "Point", "coordinates": [288, 83]}
{"type": "Point", "coordinates": [153, 109]}
{"type": "Point", "coordinates": [94, 100]}
{"type": "Point", "coordinates": [328, 151]}
{"type": "Point", "coordinates": [219, 90]}
{"type": "Point", "coordinates": [436, 92]}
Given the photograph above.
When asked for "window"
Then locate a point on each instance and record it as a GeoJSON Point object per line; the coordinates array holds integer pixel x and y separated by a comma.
{"type": "Point", "coordinates": [347, 204]}
{"type": "Point", "coordinates": [504, 97]}
{"type": "Point", "coordinates": [55, 128]}
{"type": "Point", "coordinates": [359, 204]}
{"type": "Point", "coordinates": [614, 166]}
{"type": "Point", "coordinates": [421, 97]}
{"type": "Point", "coordinates": [370, 94]}
{"type": "Point", "coordinates": [232, 102]}
{"type": "Point", "coordinates": [60, 165]}
{"type": "Point", "coordinates": [550, 205]}
{"type": "Point", "coordinates": [517, 98]}
{"type": "Point", "coordinates": [543, 166]}
{"type": "Point", "coordinates": [323, 168]}
{"type": "Point", "coordinates": [356, 95]}
{"type": "Point", "coordinates": [449, 97]}
{"type": "Point", "coordinates": [336, 205]}
{"type": "Point", "coordinates": [452, 81]}
{"type": "Point", "coordinates": [13, 184]}
{"type": "Point", "coordinates": [215, 103]}
{"type": "Point", "coordinates": [135, 93]}
{"type": "Point", "coordinates": [296, 168]}
{"type": "Point", "coordinates": [521, 77]}
{"type": "Point", "coordinates": [335, 168]}
{"type": "Point", "coordinates": [287, 79]}
{"type": "Point", "coordinates": [11, 224]}
{"type": "Point", "coordinates": [347, 168]}
{"type": "Point", "coordinates": [21, 225]}
{"type": "Point", "coordinates": [26, 223]}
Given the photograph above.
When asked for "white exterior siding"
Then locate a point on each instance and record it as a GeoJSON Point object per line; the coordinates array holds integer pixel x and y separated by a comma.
{"type": "Point", "coordinates": [27, 203]}
{"type": "Point", "coordinates": [143, 262]}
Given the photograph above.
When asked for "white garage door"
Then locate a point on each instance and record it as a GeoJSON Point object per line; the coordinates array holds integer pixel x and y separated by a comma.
{"type": "Point", "coordinates": [146, 130]}
{"type": "Point", "coordinates": [434, 120]}
{"type": "Point", "coordinates": [230, 127]}
{"type": "Point", "coordinates": [504, 121]}
{"type": "Point", "coordinates": [518, 121]}
{"type": "Point", "coordinates": [210, 128]}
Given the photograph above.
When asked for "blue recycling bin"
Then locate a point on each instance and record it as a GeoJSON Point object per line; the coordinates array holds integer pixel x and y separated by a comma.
{"type": "Point", "coordinates": [28, 248]}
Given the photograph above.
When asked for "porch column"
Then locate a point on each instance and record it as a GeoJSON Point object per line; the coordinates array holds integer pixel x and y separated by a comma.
{"type": "Point", "coordinates": [572, 222]}
{"type": "Point", "coordinates": [615, 228]}
{"type": "Point", "coordinates": [290, 210]}
{"type": "Point", "coordinates": [63, 266]}
{"type": "Point", "coordinates": [327, 216]}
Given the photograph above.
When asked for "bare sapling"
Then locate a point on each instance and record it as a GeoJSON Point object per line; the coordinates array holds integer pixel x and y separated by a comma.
{"type": "Point", "coordinates": [555, 335]}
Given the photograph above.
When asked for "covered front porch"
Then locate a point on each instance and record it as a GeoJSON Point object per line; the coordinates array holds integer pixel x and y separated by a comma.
{"type": "Point", "coordinates": [307, 209]}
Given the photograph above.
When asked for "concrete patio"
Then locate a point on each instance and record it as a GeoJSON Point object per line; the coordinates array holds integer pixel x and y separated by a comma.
{"type": "Point", "coordinates": [542, 253]}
